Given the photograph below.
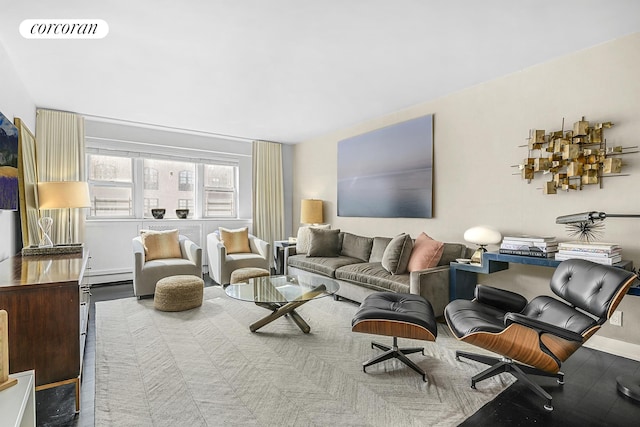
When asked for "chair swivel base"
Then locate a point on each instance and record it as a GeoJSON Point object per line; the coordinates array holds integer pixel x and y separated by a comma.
{"type": "Point", "coordinates": [502, 365]}
{"type": "Point", "coordinates": [394, 352]}
{"type": "Point", "coordinates": [629, 386]}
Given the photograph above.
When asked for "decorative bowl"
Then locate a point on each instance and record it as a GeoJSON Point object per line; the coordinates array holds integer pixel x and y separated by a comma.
{"type": "Point", "coordinates": [158, 213]}
{"type": "Point", "coordinates": [182, 213]}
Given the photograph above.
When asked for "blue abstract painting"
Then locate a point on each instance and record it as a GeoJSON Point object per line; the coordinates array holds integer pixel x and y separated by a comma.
{"type": "Point", "coordinates": [8, 164]}
{"type": "Point", "coordinates": [388, 173]}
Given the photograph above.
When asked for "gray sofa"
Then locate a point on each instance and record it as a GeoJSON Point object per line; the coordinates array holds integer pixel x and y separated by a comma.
{"type": "Point", "coordinates": [359, 271]}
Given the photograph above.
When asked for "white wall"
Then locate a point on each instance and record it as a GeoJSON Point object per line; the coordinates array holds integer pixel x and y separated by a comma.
{"type": "Point", "coordinates": [14, 102]}
{"type": "Point", "coordinates": [476, 137]}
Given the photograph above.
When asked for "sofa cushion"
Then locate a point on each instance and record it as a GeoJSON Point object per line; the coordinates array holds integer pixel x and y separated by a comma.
{"type": "Point", "coordinates": [426, 253]}
{"type": "Point", "coordinates": [452, 251]}
{"type": "Point", "coordinates": [377, 250]}
{"type": "Point", "coordinates": [373, 276]}
{"type": "Point", "coordinates": [324, 243]}
{"type": "Point", "coordinates": [396, 255]}
{"type": "Point", "coordinates": [356, 246]}
{"type": "Point", "coordinates": [325, 266]}
{"type": "Point", "coordinates": [160, 244]}
{"type": "Point", "coordinates": [235, 241]}
{"type": "Point", "coordinates": [303, 241]}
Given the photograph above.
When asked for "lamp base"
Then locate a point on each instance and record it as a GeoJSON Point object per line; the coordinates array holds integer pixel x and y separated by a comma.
{"type": "Point", "coordinates": [476, 258]}
{"type": "Point", "coordinates": [629, 386]}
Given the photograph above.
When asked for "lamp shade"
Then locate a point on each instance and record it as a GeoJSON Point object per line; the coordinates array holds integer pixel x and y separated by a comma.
{"type": "Point", "coordinates": [482, 235]}
{"type": "Point", "coordinates": [311, 211]}
{"type": "Point", "coordinates": [63, 195]}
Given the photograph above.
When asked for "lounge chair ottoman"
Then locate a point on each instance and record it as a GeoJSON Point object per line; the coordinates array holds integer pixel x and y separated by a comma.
{"type": "Point", "coordinates": [397, 315]}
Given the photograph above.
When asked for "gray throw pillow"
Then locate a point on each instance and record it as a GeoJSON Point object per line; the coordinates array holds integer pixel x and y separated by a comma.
{"type": "Point", "coordinates": [396, 256]}
{"type": "Point", "coordinates": [324, 243]}
{"type": "Point", "coordinates": [356, 246]}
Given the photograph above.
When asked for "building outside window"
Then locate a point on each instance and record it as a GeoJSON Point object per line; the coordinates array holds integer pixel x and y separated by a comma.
{"type": "Point", "coordinates": [150, 203]}
{"type": "Point", "coordinates": [185, 180]}
{"type": "Point", "coordinates": [150, 179]}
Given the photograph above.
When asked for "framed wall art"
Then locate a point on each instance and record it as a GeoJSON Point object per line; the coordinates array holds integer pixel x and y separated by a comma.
{"type": "Point", "coordinates": [388, 173]}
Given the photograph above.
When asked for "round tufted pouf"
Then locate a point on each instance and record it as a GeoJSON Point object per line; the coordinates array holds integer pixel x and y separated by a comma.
{"type": "Point", "coordinates": [400, 316]}
{"type": "Point", "coordinates": [178, 293]}
{"type": "Point", "coordinates": [243, 274]}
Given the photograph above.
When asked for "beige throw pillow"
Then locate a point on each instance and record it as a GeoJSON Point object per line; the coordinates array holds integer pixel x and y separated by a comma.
{"type": "Point", "coordinates": [235, 241]}
{"type": "Point", "coordinates": [160, 244]}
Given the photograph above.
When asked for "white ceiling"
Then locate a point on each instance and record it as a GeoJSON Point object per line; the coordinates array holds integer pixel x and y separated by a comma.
{"type": "Point", "coordinates": [291, 70]}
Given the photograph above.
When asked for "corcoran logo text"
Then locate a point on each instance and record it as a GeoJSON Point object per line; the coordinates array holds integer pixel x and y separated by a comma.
{"type": "Point", "coordinates": [64, 28]}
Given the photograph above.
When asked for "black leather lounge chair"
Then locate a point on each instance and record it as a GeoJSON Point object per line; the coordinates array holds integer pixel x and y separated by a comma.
{"type": "Point", "coordinates": [536, 337]}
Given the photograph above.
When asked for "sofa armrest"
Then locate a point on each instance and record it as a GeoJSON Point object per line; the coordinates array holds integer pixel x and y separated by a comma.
{"type": "Point", "coordinates": [288, 251]}
{"type": "Point", "coordinates": [433, 285]}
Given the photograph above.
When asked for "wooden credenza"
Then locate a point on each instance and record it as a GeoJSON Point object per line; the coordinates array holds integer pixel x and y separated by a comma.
{"type": "Point", "coordinates": [47, 306]}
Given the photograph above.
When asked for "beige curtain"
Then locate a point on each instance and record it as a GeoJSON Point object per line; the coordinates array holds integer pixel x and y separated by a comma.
{"type": "Point", "coordinates": [268, 197]}
{"type": "Point", "coordinates": [60, 148]}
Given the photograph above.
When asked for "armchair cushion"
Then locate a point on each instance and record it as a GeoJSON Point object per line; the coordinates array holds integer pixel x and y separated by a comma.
{"type": "Point", "coordinates": [235, 241]}
{"type": "Point", "coordinates": [160, 244]}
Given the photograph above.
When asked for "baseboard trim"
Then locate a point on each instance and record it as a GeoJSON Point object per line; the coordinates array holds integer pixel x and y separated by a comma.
{"type": "Point", "coordinates": [616, 347]}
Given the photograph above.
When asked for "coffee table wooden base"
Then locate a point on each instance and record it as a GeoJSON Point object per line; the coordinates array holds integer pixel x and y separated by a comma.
{"type": "Point", "coordinates": [279, 311]}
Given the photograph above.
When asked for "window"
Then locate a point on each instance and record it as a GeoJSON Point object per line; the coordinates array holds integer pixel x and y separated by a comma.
{"type": "Point", "coordinates": [150, 179]}
{"type": "Point", "coordinates": [185, 180]}
{"type": "Point", "coordinates": [150, 204]}
{"type": "Point", "coordinates": [185, 204]}
{"type": "Point", "coordinates": [167, 184]}
{"type": "Point", "coordinates": [111, 186]}
{"type": "Point", "coordinates": [175, 181]}
{"type": "Point", "coordinates": [219, 191]}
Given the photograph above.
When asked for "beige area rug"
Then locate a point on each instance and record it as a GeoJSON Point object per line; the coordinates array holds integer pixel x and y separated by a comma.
{"type": "Point", "coordinates": [203, 367]}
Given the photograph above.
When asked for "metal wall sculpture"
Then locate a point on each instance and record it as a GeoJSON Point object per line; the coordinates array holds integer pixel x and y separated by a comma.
{"type": "Point", "coordinates": [573, 158]}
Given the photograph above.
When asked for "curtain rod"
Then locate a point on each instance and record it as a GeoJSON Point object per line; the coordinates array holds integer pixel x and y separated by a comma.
{"type": "Point", "coordinates": [168, 128]}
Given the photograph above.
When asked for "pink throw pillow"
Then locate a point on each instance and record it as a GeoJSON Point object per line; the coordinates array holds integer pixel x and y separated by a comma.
{"type": "Point", "coordinates": [426, 253]}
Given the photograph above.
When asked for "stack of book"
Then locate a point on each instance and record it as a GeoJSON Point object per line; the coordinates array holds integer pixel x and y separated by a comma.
{"type": "Point", "coordinates": [534, 246]}
{"type": "Point", "coordinates": [602, 253]}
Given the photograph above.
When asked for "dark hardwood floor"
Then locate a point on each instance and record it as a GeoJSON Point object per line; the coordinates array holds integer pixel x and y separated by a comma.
{"type": "Point", "coordinates": [588, 398]}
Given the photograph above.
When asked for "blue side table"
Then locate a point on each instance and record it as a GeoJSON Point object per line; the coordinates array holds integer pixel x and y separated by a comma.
{"type": "Point", "coordinates": [464, 277]}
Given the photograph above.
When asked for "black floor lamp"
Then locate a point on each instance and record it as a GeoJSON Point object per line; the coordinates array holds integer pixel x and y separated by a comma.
{"type": "Point", "coordinates": [586, 226]}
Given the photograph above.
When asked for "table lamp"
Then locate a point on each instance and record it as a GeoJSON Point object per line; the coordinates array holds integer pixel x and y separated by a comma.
{"type": "Point", "coordinates": [61, 195]}
{"type": "Point", "coordinates": [311, 211]}
{"type": "Point", "coordinates": [482, 236]}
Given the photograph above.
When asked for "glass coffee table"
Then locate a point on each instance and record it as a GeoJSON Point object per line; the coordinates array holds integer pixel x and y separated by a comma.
{"type": "Point", "coordinates": [282, 295]}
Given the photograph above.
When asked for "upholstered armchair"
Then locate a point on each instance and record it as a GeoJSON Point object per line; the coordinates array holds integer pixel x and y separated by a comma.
{"type": "Point", "coordinates": [222, 261]}
{"type": "Point", "coordinates": [146, 273]}
{"type": "Point", "coordinates": [535, 337]}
